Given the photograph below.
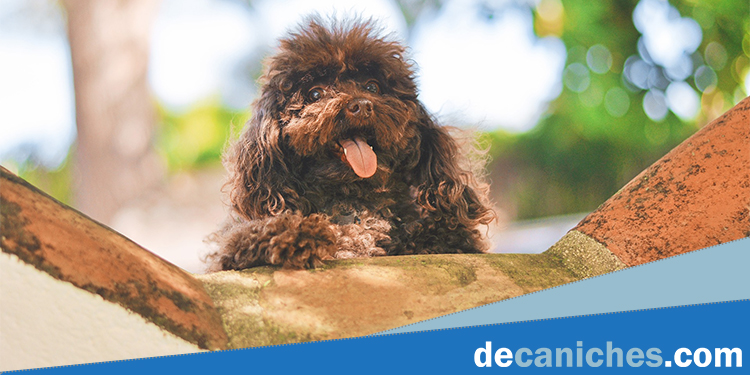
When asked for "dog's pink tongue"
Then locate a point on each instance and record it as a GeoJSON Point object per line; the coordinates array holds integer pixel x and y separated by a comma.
{"type": "Point", "coordinates": [360, 157]}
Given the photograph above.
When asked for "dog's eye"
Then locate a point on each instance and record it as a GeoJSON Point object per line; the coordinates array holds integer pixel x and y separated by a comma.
{"type": "Point", "coordinates": [372, 87]}
{"type": "Point", "coordinates": [315, 94]}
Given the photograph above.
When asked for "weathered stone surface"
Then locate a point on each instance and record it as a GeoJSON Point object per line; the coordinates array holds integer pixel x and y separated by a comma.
{"type": "Point", "coordinates": [698, 195]}
{"type": "Point", "coordinates": [71, 247]}
{"type": "Point", "coordinates": [585, 257]}
{"type": "Point", "coordinates": [349, 298]}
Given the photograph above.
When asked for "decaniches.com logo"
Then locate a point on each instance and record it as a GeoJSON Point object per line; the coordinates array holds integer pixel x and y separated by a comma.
{"type": "Point", "coordinates": [610, 356]}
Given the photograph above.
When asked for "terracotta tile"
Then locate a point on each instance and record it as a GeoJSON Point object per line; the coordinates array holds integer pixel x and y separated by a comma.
{"type": "Point", "coordinates": [698, 195]}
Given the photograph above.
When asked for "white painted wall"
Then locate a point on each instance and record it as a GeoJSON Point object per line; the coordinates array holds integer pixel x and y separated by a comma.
{"type": "Point", "coordinates": [46, 322]}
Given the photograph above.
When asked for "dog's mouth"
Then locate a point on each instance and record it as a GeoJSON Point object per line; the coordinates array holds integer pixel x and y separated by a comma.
{"type": "Point", "coordinates": [360, 156]}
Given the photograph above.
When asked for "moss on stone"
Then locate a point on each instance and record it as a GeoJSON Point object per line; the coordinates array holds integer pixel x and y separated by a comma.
{"type": "Point", "coordinates": [584, 256]}
{"type": "Point", "coordinates": [458, 272]}
{"type": "Point", "coordinates": [237, 297]}
{"type": "Point", "coordinates": [355, 297]}
{"type": "Point", "coordinates": [533, 272]}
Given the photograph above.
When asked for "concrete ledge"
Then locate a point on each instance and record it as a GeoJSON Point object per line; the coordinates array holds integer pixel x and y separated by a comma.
{"type": "Point", "coordinates": [349, 298]}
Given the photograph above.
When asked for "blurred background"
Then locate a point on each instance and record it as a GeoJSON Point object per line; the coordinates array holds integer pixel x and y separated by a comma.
{"type": "Point", "coordinates": [122, 108]}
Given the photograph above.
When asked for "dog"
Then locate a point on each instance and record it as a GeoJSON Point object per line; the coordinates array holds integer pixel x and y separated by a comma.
{"type": "Point", "coordinates": [340, 159]}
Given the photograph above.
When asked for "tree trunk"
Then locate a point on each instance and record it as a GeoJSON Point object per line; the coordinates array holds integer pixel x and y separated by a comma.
{"type": "Point", "coordinates": [114, 158]}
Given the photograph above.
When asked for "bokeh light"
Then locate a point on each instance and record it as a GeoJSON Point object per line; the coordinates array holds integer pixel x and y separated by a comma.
{"type": "Point", "coordinates": [637, 71]}
{"type": "Point", "coordinates": [655, 105]}
{"type": "Point", "coordinates": [599, 59]}
{"type": "Point", "coordinates": [576, 77]}
{"type": "Point", "coordinates": [683, 101]}
{"type": "Point", "coordinates": [716, 55]}
{"type": "Point", "coordinates": [617, 102]}
{"type": "Point", "coordinates": [705, 78]}
{"type": "Point", "coordinates": [669, 38]}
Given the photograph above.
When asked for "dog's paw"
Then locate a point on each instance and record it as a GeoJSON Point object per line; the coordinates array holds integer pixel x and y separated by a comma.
{"type": "Point", "coordinates": [304, 242]}
{"type": "Point", "coordinates": [290, 240]}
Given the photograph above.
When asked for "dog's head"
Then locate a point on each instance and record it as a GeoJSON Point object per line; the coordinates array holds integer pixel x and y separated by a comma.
{"type": "Point", "coordinates": [338, 102]}
{"type": "Point", "coordinates": [341, 94]}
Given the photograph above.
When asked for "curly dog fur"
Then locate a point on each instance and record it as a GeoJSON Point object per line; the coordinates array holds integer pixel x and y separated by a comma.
{"type": "Point", "coordinates": [341, 160]}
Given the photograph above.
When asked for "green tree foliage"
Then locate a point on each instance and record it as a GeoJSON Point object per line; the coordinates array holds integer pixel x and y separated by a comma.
{"type": "Point", "coordinates": [596, 135]}
{"type": "Point", "coordinates": [196, 138]}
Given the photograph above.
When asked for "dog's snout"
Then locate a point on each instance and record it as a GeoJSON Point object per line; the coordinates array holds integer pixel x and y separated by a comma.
{"type": "Point", "coordinates": [360, 107]}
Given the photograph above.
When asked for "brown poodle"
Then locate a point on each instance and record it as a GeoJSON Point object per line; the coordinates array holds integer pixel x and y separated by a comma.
{"type": "Point", "coordinates": [341, 160]}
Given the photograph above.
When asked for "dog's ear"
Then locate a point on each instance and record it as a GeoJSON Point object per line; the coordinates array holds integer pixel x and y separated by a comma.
{"type": "Point", "coordinates": [261, 182]}
{"type": "Point", "coordinates": [446, 189]}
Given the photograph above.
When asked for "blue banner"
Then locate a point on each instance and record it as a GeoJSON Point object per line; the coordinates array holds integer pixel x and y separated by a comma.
{"type": "Point", "coordinates": [701, 338]}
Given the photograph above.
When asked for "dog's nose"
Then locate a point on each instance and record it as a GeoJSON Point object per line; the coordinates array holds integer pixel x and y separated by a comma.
{"type": "Point", "coordinates": [360, 107]}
